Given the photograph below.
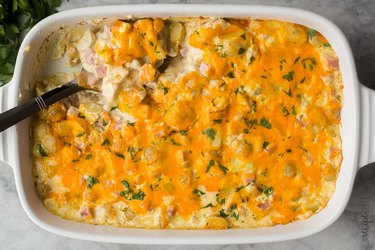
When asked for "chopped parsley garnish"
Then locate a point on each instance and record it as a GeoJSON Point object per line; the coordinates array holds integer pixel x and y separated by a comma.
{"type": "Point", "coordinates": [285, 111]}
{"type": "Point", "coordinates": [218, 121]}
{"type": "Point", "coordinates": [91, 181]}
{"type": "Point", "coordinates": [164, 88]}
{"type": "Point", "coordinates": [250, 123]}
{"type": "Point", "coordinates": [296, 60]}
{"type": "Point", "coordinates": [133, 152]}
{"type": "Point", "coordinates": [129, 124]}
{"type": "Point", "coordinates": [311, 33]}
{"type": "Point", "coordinates": [241, 51]}
{"type": "Point", "coordinates": [120, 155]}
{"type": "Point", "coordinates": [265, 123]}
{"type": "Point", "coordinates": [294, 112]}
{"type": "Point", "coordinates": [42, 152]}
{"type": "Point", "coordinates": [210, 164]}
{"type": "Point", "coordinates": [223, 168]}
{"type": "Point", "coordinates": [265, 144]}
{"type": "Point", "coordinates": [106, 143]}
{"type": "Point", "coordinates": [252, 59]}
{"type": "Point", "coordinates": [198, 192]}
{"type": "Point", "coordinates": [210, 132]}
{"type": "Point", "coordinates": [222, 201]}
{"type": "Point", "coordinates": [208, 205]}
{"type": "Point", "coordinates": [327, 45]}
{"type": "Point", "coordinates": [184, 132]}
{"type": "Point", "coordinates": [240, 90]}
{"type": "Point", "coordinates": [80, 134]}
{"type": "Point", "coordinates": [242, 187]}
{"type": "Point", "coordinates": [151, 43]}
{"type": "Point", "coordinates": [175, 143]}
{"type": "Point", "coordinates": [303, 80]}
{"type": "Point", "coordinates": [288, 150]}
{"type": "Point", "coordinates": [245, 131]}
{"type": "Point", "coordinates": [222, 213]}
{"type": "Point", "coordinates": [89, 156]}
{"type": "Point", "coordinates": [230, 74]}
{"type": "Point", "coordinates": [289, 93]}
{"type": "Point", "coordinates": [289, 76]}
{"type": "Point", "coordinates": [80, 115]}
{"type": "Point", "coordinates": [253, 106]}
{"type": "Point", "coordinates": [130, 194]}
{"type": "Point", "coordinates": [268, 191]}
{"type": "Point", "coordinates": [113, 108]}
{"type": "Point", "coordinates": [309, 62]}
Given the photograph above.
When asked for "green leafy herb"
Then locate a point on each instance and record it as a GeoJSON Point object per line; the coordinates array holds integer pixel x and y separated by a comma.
{"type": "Point", "coordinates": [80, 115]}
{"type": "Point", "coordinates": [303, 80]}
{"type": "Point", "coordinates": [133, 152]}
{"type": "Point", "coordinates": [42, 152]}
{"type": "Point", "coordinates": [230, 74]}
{"type": "Point", "coordinates": [265, 123]}
{"type": "Point", "coordinates": [218, 121]}
{"type": "Point", "coordinates": [303, 149]}
{"type": "Point", "coordinates": [285, 111]}
{"type": "Point", "coordinates": [210, 132]}
{"type": "Point", "coordinates": [289, 93]}
{"type": "Point", "coordinates": [327, 45]}
{"type": "Point", "coordinates": [175, 143]}
{"type": "Point", "coordinates": [250, 123]}
{"type": "Point", "coordinates": [222, 201]}
{"type": "Point", "coordinates": [223, 168]}
{"type": "Point", "coordinates": [242, 187]}
{"type": "Point", "coordinates": [113, 108]}
{"type": "Point", "coordinates": [252, 59]}
{"type": "Point", "coordinates": [245, 131]}
{"type": "Point", "coordinates": [241, 51]}
{"type": "Point", "coordinates": [288, 150]}
{"type": "Point", "coordinates": [268, 191]}
{"type": "Point", "coordinates": [129, 124]}
{"type": "Point", "coordinates": [265, 144]}
{"type": "Point", "coordinates": [80, 134]}
{"type": "Point", "coordinates": [184, 132]}
{"type": "Point", "coordinates": [296, 60]}
{"type": "Point", "coordinates": [16, 18]}
{"type": "Point", "coordinates": [89, 156]}
{"type": "Point", "coordinates": [311, 33]}
{"type": "Point", "coordinates": [240, 90]}
{"type": "Point", "coordinates": [294, 112]}
{"type": "Point", "coordinates": [222, 213]}
{"type": "Point", "coordinates": [130, 194]}
{"type": "Point", "coordinates": [199, 192]}
{"type": "Point", "coordinates": [91, 181]}
{"type": "Point", "coordinates": [164, 88]}
{"type": "Point", "coordinates": [309, 62]}
{"type": "Point", "coordinates": [253, 106]}
{"type": "Point", "coordinates": [210, 164]}
{"type": "Point", "coordinates": [289, 76]}
{"type": "Point", "coordinates": [106, 143]}
{"type": "Point", "coordinates": [208, 205]}
{"type": "Point", "coordinates": [120, 155]}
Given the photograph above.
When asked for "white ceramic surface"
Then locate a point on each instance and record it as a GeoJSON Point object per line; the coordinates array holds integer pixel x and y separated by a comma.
{"type": "Point", "coordinates": [16, 153]}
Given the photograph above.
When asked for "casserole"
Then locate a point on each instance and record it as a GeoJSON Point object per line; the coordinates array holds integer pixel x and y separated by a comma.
{"type": "Point", "coordinates": [16, 152]}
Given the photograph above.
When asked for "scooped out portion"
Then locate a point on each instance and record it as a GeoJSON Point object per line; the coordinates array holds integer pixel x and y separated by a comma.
{"type": "Point", "coordinates": [200, 123]}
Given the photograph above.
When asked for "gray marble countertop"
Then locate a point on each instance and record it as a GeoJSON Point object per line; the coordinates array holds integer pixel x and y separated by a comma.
{"type": "Point", "coordinates": [355, 229]}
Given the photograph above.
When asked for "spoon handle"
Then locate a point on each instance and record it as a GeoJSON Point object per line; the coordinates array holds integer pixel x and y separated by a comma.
{"type": "Point", "coordinates": [28, 108]}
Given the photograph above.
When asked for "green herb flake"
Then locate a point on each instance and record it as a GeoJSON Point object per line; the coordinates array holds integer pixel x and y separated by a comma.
{"type": "Point", "coordinates": [218, 121]}
{"type": "Point", "coordinates": [296, 60]}
{"type": "Point", "coordinates": [210, 164]}
{"type": "Point", "coordinates": [268, 191]}
{"type": "Point", "coordinates": [106, 143]}
{"type": "Point", "coordinates": [250, 123]}
{"type": "Point", "coordinates": [222, 213]}
{"type": "Point", "coordinates": [303, 149]}
{"type": "Point", "coordinates": [245, 131]}
{"type": "Point", "coordinates": [184, 132]}
{"type": "Point", "coordinates": [252, 59]}
{"type": "Point", "coordinates": [327, 45]}
{"type": "Point", "coordinates": [230, 74]}
{"type": "Point", "coordinates": [210, 132]}
{"type": "Point", "coordinates": [120, 155]}
{"type": "Point", "coordinates": [91, 181]}
{"type": "Point", "coordinates": [289, 93]}
{"type": "Point", "coordinates": [208, 205]}
{"type": "Point", "coordinates": [130, 194]}
{"type": "Point", "coordinates": [265, 144]}
{"type": "Point", "coordinates": [241, 51]}
{"type": "Point", "coordinates": [289, 76]}
{"type": "Point", "coordinates": [133, 152]}
{"type": "Point", "coordinates": [294, 112]}
{"type": "Point", "coordinates": [130, 124]}
{"type": "Point", "coordinates": [88, 157]}
{"type": "Point", "coordinates": [42, 152]}
{"type": "Point", "coordinates": [198, 192]}
{"type": "Point", "coordinates": [80, 134]}
{"type": "Point", "coordinates": [239, 90]}
{"type": "Point", "coordinates": [113, 108]}
{"type": "Point", "coordinates": [303, 80]}
{"type": "Point", "coordinates": [311, 33]}
{"type": "Point", "coordinates": [265, 123]}
{"type": "Point", "coordinates": [242, 187]}
{"type": "Point", "coordinates": [285, 111]}
{"type": "Point", "coordinates": [164, 88]}
{"type": "Point", "coordinates": [175, 143]}
{"type": "Point", "coordinates": [223, 168]}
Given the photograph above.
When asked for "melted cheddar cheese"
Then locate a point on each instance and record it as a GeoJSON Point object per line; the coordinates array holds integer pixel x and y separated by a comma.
{"type": "Point", "coordinates": [200, 123]}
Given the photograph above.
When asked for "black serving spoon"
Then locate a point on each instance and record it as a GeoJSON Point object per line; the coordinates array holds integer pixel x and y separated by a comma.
{"type": "Point", "coordinates": [26, 109]}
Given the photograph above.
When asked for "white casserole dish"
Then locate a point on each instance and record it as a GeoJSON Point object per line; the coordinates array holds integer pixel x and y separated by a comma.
{"type": "Point", "coordinates": [358, 129]}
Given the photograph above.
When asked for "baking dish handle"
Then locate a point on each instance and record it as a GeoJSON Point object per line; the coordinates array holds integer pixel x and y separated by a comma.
{"type": "Point", "coordinates": [3, 135]}
{"type": "Point", "coordinates": [367, 129]}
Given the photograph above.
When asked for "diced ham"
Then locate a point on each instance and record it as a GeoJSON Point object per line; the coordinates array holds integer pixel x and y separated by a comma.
{"type": "Point", "coordinates": [333, 62]}
{"type": "Point", "coordinates": [264, 205]}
